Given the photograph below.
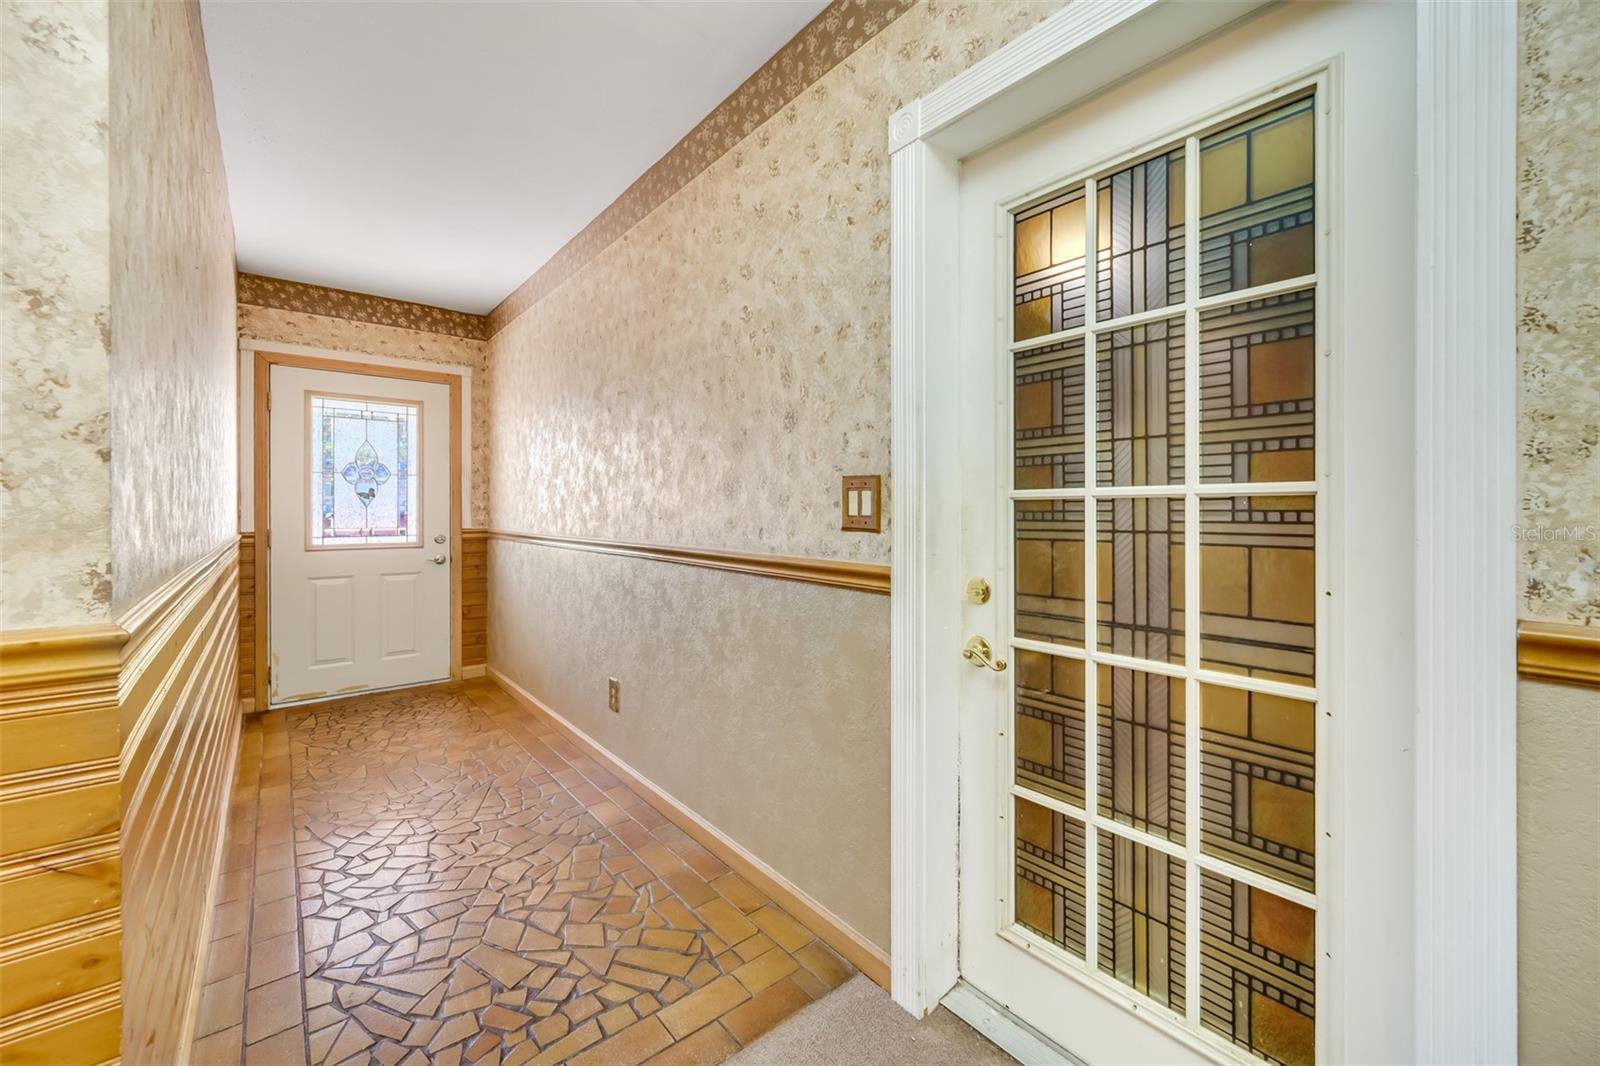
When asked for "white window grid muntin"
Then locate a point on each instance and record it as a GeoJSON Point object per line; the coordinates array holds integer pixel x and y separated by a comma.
{"type": "Point", "coordinates": [1186, 1026]}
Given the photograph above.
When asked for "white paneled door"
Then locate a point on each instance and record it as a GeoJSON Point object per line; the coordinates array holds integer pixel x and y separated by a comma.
{"type": "Point", "coordinates": [360, 533]}
{"type": "Point", "coordinates": [1187, 434]}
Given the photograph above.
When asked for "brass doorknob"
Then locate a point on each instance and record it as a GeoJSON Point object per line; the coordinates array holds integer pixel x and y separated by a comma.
{"type": "Point", "coordinates": [978, 653]}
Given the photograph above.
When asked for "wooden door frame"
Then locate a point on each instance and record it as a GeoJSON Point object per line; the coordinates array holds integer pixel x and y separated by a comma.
{"type": "Point", "coordinates": [262, 364]}
{"type": "Point", "coordinates": [1462, 950]}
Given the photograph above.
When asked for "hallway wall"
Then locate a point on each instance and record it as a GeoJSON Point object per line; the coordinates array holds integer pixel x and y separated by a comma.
{"type": "Point", "coordinates": [174, 432]}
{"type": "Point", "coordinates": [698, 369]}
{"type": "Point", "coordinates": [55, 315]}
{"type": "Point", "coordinates": [1558, 726]}
{"type": "Point", "coordinates": [174, 492]}
{"type": "Point", "coordinates": [117, 718]}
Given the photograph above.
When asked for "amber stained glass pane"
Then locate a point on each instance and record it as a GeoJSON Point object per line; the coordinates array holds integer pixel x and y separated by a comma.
{"type": "Point", "coordinates": [1258, 588]}
{"type": "Point", "coordinates": [1049, 725]}
{"type": "Point", "coordinates": [1258, 395]}
{"type": "Point", "coordinates": [1258, 782]}
{"type": "Point", "coordinates": [1047, 416]}
{"type": "Point", "coordinates": [1049, 289]}
{"type": "Point", "coordinates": [1141, 918]}
{"type": "Point", "coordinates": [1141, 750]}
{"type": "Point", "coordinates": [1050, 878]}
{"type": "Point", "coordinates": [1049, 570]}
{"type": "Point", "coordinates": [1258, 970]}
{"type": "Point", "coordinates": [1256, 200]}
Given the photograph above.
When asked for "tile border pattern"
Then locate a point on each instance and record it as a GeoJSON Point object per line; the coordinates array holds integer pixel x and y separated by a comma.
{"type": "Point", "coordinates": [260, 291]}
{"type": "Point", "coordinates": [826, 41]}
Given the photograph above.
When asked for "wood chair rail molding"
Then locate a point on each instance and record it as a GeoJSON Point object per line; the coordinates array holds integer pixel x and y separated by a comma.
{"type": "Point", "coordinates": [835, 573]}
{"type": "Point", "coordinates": [1568, 655]}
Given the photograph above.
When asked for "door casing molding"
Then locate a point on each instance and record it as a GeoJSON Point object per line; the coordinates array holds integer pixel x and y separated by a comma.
{"type": "Point", "coordinates": [1465, 950]}
{"type": "Point", "coordinates": [262, 361]}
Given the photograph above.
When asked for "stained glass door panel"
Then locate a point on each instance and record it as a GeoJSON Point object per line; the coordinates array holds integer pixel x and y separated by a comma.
{"type": "Point", "coordinates": [1191, 714]}
{"type": "Point", "coordinates": [365, 478]}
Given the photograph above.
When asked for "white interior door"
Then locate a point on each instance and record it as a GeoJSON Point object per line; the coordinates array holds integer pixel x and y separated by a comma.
{"type": "Point", "coordinates": [360, 533]}
{"type": "Point", "coordinates": [1185, 803]}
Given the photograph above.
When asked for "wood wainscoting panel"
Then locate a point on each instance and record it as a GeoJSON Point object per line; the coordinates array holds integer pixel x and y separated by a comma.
{"type": "Point", "coordinates": [60, 811]}
{"type": "Point", "coordinates": [474, 599]}
{"type": "Point", "coordinates": [181, 725]}
{"type": "Point", "coordinates": [247, 619]}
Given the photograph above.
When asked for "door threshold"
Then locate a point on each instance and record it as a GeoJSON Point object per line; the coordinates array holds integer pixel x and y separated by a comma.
{"type": "Point", "coordinates": [1005, 1030]}
{"type": "Point", "coordinates": [334, 697]}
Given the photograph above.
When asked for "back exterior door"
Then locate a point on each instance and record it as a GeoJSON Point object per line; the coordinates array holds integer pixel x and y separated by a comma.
{"type": "Point", "coordinates": [360, 533]}
{"type": "Point", "coordinates": [1187, 426]}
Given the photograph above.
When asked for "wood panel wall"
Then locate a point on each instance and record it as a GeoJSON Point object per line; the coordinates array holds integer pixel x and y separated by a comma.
{"type": "Point", "coordinates": [180, 734]}
{"type": "Point", "coordinates": [247, 618]}
{"type": "Point", "coordinates": [474, 598]}
{"type": "Point", "coordinates": [60, 876]}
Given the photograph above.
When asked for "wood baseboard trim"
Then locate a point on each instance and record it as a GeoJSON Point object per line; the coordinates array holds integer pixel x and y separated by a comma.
{"type": "Point", "coordinates": [191, 1010]}
{"type": "Point", "coordinates": [834, 573]}
{"type": "Point", "coordinates": [829, 927]}
{"type": "Point", "coordinates": [470, 672]}
{"type": "Point", "coordinates": [1567, 655]}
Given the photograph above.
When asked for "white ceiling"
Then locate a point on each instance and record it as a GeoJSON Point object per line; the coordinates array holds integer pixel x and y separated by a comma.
{"type": "Point", "coordinates": [443, 151]}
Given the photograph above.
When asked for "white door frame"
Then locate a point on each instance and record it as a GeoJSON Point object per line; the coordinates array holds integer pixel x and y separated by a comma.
{"type": "Point", "coordinates": [1465, 872]}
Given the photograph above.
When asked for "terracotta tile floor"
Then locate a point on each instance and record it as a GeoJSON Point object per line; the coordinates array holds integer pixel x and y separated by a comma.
{"type": "Point", "coordinates": [438, 877]}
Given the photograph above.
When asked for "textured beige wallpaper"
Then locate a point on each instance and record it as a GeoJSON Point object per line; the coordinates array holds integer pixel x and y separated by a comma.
{"type": "Point", "coordinates": [346, 335]}
{"type": "Point", "coordinates": [1558, 873]}
{"type": "Point", "coordinates": [1558, 342]}
{"type": "Point", "coordinates": [706, 379]}
{"type": "Point", "coordinates": [174, 376]}
{"type": "Point", "coordinates": [1558, 726]}
{"type": "Point", "coordinates": [55, 315]}
{"type": "Point", "coordinates": [762, 705]}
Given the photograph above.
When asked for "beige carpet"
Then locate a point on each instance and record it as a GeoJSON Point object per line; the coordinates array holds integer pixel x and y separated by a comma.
{"type": "Point", "coordinates": [859, 1024]}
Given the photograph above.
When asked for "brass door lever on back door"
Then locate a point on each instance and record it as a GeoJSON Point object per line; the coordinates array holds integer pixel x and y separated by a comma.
{"type": "Point", "coordinates": [979, 653]}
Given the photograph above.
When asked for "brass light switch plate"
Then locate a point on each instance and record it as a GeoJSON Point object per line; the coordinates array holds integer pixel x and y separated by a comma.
{"type": "Point", "coordinates": [861, 503]}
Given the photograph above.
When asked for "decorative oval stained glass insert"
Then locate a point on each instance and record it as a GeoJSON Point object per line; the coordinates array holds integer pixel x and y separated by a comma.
{"type": "Point", "coordinates": [365, 476]}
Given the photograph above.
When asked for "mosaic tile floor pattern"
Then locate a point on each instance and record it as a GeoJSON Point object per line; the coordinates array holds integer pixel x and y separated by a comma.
{"type": "Point", "coordinates": [471, 888]}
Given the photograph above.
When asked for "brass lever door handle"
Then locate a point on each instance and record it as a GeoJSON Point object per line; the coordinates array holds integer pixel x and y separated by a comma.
{"type": "Point", "coordinates": [978, 653]}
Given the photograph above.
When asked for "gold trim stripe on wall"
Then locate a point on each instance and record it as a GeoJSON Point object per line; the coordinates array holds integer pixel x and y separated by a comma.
{"type": "Point", "coordinates": [825, 42]}
{"type": "Point", "coordinates": [285, 295]}
{"type": "Point", "coordinates": [835, 573]}
{"type": "Point", "coordinates": [1569, 655]}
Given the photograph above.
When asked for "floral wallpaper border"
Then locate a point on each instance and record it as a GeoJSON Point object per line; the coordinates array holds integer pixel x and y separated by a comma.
{"type": "Point", "coordinates": [284, 295]}
{"type": "Point", "coordinates": [826, 41]}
